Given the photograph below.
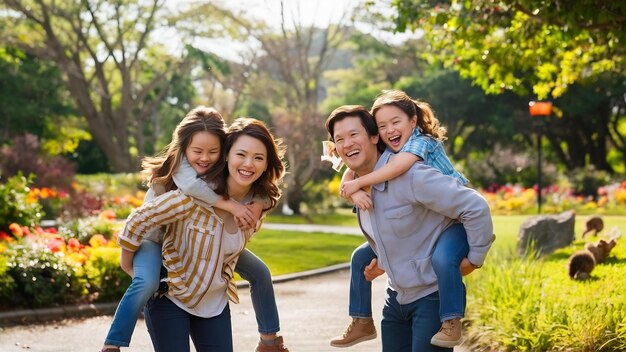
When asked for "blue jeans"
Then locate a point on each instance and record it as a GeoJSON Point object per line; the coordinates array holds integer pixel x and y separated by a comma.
{"type": "Point", "coordinates": [450, 249]}
{"type": "Point", "coordinates": [409, 327]}
{"type": "Point", "coordinates": [147, 265]}
{"type": "Point", "coordinates": [171, 327]}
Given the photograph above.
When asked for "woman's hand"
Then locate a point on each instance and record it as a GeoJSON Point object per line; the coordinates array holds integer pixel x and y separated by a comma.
{"type": "Point", "coordinates": [126, 262]}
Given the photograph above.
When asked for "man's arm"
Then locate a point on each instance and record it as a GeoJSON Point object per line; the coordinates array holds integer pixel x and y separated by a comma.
{"type": "Point", "coordinates": [444, 195]}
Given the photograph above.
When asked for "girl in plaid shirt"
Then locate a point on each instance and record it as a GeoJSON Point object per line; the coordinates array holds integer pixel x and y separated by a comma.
{"type": "Point", "coordinates": [410, 129]}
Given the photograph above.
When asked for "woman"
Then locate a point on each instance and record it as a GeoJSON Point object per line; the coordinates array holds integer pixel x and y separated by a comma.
{"type": "Point", "coordinates": [202, 245]}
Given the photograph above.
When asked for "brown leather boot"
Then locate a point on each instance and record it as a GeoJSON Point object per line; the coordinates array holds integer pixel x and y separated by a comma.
{"type": "Point", "coordinates": [278, 346]}
{"type": "Point", "coordinates": [449, 334]}
{"type": "Point", "coordinates": [359, 330]}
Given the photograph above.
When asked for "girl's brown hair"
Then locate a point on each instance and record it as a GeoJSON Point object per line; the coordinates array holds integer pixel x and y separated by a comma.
{"type": "Point", "coordinates": [427, 122]}
{"type": "Point", "coordinates": [267, 186]}
{"type": "Point", "coordinates": [159, 169]}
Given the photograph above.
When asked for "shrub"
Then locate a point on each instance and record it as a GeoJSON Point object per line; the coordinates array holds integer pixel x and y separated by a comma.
{"type": "Point", "coordinates": [586, 181]}
{"type": "Point", "coordinates": [7, 284]}
{"type": "Point", "coordinates": [25, 156]}
{"type": "Point", "coordinates": [15, 204]}
{"type": "Point", "coordinates": [43, 278]}
{"type": "Point", "coordinates": [106, 278]}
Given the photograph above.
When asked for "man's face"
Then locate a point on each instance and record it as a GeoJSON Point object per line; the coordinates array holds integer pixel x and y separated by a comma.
{"type": "Point", "coordinates": [354, 146]}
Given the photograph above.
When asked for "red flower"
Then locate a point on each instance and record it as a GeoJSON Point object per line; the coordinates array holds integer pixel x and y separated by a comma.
{"type": "Point", "coordinates": [5, 237]}
{"type": "Point", "coordinates": [73, 245]}
{"type": "Point", "coordinates": [56, 244]}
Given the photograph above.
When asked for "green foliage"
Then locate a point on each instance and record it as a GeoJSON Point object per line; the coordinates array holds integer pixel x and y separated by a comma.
{"type": "Point", "coordinates": [14, 204]}
{"type": "Point", "coordinates": [82, 229]}
{"type": "Point", "coordinates": [531, 304]}
{"type": "Point", "coordinates": [105, 276]}
{"type": "Point", "coordinates": [7, 284]}
{"type": "Point", "coordinates": [42, 277]}
{"type": "Point", "coordinates": [586, 181]}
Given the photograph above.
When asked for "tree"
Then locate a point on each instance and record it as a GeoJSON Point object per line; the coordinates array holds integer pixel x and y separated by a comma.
{"type": "Point", "coordinates": [522, 45]}
{"type": "Point", "coordinates": [115, 71]}
{"type": "Point", "coordinates": [541, 48]}
{"type": "Point", "coordinates": [290, 69]}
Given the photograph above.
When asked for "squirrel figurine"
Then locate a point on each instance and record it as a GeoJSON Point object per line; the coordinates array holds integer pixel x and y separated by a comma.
{"type": "Point", "coordinates": [582, 262]}
{"type": "Point", "coordinates": [595, 224]}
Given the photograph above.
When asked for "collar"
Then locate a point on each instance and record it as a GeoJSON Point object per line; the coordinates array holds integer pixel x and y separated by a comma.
{"type": "Point", "coordinates": [384, 159]}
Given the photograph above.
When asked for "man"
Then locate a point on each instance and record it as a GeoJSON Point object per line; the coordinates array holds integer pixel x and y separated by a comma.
{"type": "Point", "coordinates": [409, 214]}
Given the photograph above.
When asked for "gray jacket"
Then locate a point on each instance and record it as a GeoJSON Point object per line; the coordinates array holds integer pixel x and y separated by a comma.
{"type": "Point", "coordinates": [409, 214]}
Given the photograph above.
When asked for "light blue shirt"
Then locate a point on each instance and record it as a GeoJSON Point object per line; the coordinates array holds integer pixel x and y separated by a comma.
{"type": "Point", "coordinates": [432, 152]}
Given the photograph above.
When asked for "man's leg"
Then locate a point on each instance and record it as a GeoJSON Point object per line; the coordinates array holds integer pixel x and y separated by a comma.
{"type": "Point", "coordinates": [424, 318]}
{"type": "Point", "coordinates": [395, 327]}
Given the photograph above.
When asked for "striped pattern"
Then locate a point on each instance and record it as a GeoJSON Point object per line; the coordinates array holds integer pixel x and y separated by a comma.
{"type": "Point", "coordinates": [192, 246]}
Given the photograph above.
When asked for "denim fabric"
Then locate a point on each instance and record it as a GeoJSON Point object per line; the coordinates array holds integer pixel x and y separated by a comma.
{"type": "Point", "coordinates": [450, 249]}
{"type": "Point", "coordinates": [172, 326]}
{"type": "Point", "coordinates": [360, 288]}
{"type": "Point", "coordinates": [409, 327]}
{"type": "Point", "coordinates": [146, 266]}
{"type": "Point", "coordinates": [253, 269]}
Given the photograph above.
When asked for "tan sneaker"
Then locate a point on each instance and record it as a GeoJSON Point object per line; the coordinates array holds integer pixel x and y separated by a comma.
{"type": "Point", "coordinates": [278, 346]}
{"type": "Point", "coordinates": [359, 330]}
{"type": "Point", "coordinates": [449, 334]}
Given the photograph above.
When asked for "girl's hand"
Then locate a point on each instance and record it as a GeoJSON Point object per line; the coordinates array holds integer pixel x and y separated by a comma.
{"type": "Point", "coordinates": [466, 267]}
{"type": "Point", "coordinates": [348, 188]}
{"type": "Point", "coordinates": [243, 215]}
{"type": "Point", "coordinates": [256, 209]}
{"type": "Point", "coordinates": [372, 271]}
{"type": "Point", "coordinates": [362, 200]}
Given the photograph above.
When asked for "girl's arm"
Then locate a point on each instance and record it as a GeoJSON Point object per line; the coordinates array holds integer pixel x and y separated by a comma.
{"type": "Point", "coordinates": [398, 165]}
{"type": "Point", "coordinates": [186, 179]}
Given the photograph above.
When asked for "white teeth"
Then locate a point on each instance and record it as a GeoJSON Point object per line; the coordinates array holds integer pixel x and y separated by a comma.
{"type": "Point", "coordinates": [391, 139]}
{"type": "Point", "coordinates": [352, 153]}
{"type": "Point", "coordinates": [246, 173]}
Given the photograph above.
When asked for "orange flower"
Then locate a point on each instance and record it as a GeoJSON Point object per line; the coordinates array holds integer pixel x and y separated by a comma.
{"type": "Point", "coordinates": [97, 241]}
{"type": "Point", "coordinates": [108, 215]}
{"type": "Point", "coordinates": [16, 230]}
{"type": "Point", "coordinates": [73, 245]}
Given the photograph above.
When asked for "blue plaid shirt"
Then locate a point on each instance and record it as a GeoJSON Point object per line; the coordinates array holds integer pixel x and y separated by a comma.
{"type": "Point", "coordinates": [433, 154]}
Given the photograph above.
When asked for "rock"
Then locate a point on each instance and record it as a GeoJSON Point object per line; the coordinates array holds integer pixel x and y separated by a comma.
{"type": "Point", "coordinates": [546, 233]}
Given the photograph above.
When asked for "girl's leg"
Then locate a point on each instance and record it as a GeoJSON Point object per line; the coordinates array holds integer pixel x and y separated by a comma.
{"type": "Point", "coordinates": [146, 265]}
{"type": "Point", "coordinates": [170, 326]}
{"type": "Point", "coordinates": [254, 270]}
{"type": "Point", "coordinates": [212, 334]}
{"type": "Point", "coordinates": [450, 249]}
{"type": "Point", "coordinates": [360, 289]}
{"type": "Point", "coordinates": [361, 327]}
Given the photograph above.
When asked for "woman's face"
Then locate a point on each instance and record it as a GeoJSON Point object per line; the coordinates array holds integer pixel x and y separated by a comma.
{"type": "Point", "coordinates": [394, 126]}
{"type": "Point", "coordinates": [203, 151]}
{"type": "Point", "coordinates": [247, 160]}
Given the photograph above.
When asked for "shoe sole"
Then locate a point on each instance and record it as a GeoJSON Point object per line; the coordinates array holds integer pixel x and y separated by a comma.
{"type": "Point", "coordinates": [445, 343]}
{"type": "Point", "coordinates": [362, 339]}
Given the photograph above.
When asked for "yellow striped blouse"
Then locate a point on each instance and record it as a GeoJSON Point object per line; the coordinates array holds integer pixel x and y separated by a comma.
{"type": "Point", "coordinates": [192, 247]}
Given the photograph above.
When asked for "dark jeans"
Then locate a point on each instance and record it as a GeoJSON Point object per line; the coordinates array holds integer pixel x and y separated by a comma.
{"type": "Point", "coordinates": [170, 328]}
{"type": "Point", "coordinates": [409, 327]}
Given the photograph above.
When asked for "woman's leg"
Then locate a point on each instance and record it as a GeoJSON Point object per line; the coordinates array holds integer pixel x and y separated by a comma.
{"type": "Point", "coordinates": [146, 265]}
{"type": "Point", "coordinates": [450, 249]}
{"type": "Point", "coordinates": [212, 334]}
{"type": "Point", "coordinates": [254, 270]}
{"type": "Point", "coordinates": [170, 325]}
{"type": "Point", "coordinates": [360, 289]}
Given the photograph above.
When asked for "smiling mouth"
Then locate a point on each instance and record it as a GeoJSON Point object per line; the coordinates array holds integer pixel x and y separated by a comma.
{"type": "Point", "coordinates": [352, 153]}
{"type": "Point", "coordinates": [245, 174]}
